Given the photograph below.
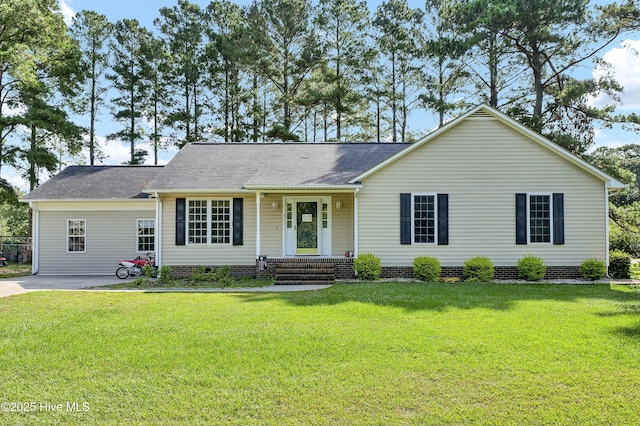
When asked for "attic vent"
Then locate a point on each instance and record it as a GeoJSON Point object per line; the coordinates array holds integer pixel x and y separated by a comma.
{"type": "Point", "coordinates": [480, 115]}
{"type": "Point", "coordinates": [304, 157]}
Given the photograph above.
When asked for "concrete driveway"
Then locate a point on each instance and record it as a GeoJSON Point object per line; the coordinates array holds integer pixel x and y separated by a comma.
{"type": "Point", "coordinates": [19, 285]}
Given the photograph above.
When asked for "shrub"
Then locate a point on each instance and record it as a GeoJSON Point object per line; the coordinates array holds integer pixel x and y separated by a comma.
{"type": "Point", "coordinates": [478, 269]}
{"type": "Point", "coordinates": [426, 268]}
{"type": "Point", "coordinates": [367, 266]}
{"type": "Point", "coordinates": [531, 268]}
{"type": "Point", "coordinates": [620, 239]}
{"type": "Point", "coordinates": [592, 269]}
{"type": "Point", "coordinates": [147, 270]}
{"type": "Point", "coordinates": [165, 274]}
{"type": "Point", "coordinates": [200, 274]}
{"type": "Point", "coordinates": [619, 264]}
{"type": "Point", "coordinates": [223, 276]}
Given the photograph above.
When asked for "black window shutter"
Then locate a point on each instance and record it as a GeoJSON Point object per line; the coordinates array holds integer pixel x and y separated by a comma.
{"type": "Point", "coordinates": [405, 218]}
{"type": "Point", "coordinates": [558, 218]}
{"type": "Point", "coordinates": [181, 217]}
{"type": "Point", "coordinates": [237, 221]}
{"type": "Point", "coordinates": [443, 219]}
{"type": "Point", "coordinates": [521, 218]}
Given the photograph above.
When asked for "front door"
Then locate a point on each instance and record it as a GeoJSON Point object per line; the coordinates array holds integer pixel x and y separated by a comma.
{"type": "Point", "coordinates": [306, 222]}
{"type": "Point", "coordinates": [307, 227]}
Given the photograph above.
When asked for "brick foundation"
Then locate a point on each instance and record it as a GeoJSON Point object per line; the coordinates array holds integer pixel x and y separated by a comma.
{"type": "Point", "coordinates": [344, 270]}
{"type": "Point", "coordinates": [237, 271]}
{"type": "Point", "coordinates": [500, 272]}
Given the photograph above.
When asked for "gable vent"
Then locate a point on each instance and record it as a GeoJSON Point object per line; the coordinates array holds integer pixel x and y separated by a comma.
{"type": "Point", "coordinates": [480, 115]}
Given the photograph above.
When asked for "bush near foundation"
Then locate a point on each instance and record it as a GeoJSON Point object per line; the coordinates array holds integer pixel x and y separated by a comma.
{"type": "Point", "coordinates": [426, 268]}
{"type": "Point", "coordinates": [593, 269]}
{"type": "Point", "coordinates": [478, 269]}
{"type": "Point", "coordinates": [531, 268]}
{"type": "Point", "coordinates": [367, 266]}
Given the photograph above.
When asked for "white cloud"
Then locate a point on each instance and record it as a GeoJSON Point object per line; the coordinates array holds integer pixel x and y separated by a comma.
{"type": "Point", "coordinates": [118, 152]}
{"type": "Point", "coordinates": [625, 67]}
{"type": "Point", "coordinates": [16, 180]}
{"type": "Point", "coordinates": [67, 12]}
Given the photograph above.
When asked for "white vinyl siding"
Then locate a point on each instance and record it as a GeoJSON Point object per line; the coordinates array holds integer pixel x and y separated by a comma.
{"type": "Point", "coordinates": [482, 163]}
{"type": "Point", "coordinates": [109, 236]}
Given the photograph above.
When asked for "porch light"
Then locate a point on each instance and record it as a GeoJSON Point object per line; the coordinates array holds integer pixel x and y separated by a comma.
{"type": "Point", "coordinates": [274, 205]}
{"type": "Point", "coordinates": [339, 205]}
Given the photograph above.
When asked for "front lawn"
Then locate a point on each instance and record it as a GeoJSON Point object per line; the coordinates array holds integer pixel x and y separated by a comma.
{"type": "Point", "coordinates": [386, 353]}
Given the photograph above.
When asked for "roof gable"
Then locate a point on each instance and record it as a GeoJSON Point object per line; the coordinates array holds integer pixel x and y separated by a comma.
{"type": "Point", "coordinates": [483, 111]}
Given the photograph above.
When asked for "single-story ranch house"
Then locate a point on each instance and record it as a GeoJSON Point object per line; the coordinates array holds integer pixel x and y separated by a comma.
{"type": "Point", "coordinates": [482, 185]}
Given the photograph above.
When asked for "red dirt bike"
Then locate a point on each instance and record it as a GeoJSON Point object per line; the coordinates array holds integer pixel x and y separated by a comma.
{"type": "Point", "coordinates": [133, 268]}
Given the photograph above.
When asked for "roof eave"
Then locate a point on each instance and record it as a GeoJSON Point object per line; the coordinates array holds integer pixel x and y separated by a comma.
{"type": "Point", "coordinates": [77, 200]}
{"type": "Point", "coordinates": [299, 188]}
{"type": "Point", "coordinates": [195, 191]}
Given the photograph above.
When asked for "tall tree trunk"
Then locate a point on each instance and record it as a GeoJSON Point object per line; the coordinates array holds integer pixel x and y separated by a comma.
{"type": "Point", "coordinates": [255, 124]}
{"type": "Point", "coordinates": [156, 141]}
{"type": "Point", "coordinates": [92, 113]}
{"type": "Point", "coordinates": [226, 102]}
{"type": "Point", "coordinates": [32, 160]}
{"type": "Point", "coordinates": [493, 72]}
{"type": "Point", "coordinates": [536, 64]}
{"type": "Point", "coordinates": [394, 137]}
{"type": "Point", "coordinates": [378, 118]}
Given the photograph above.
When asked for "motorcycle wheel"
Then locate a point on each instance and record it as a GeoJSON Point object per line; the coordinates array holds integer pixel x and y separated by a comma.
{"type": "Point", "coordinates": [122, 272]}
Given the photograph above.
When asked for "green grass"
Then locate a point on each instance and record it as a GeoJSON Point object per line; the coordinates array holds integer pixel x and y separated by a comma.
{"type": "Point", "coordinates": [15, 270]}
{"type": "Point", "coordinates": [143, 283]}
{"type": "Point", "coordinates": [384, 353]}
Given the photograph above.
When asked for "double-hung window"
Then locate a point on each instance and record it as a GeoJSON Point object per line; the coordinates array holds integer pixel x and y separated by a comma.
{"type": "Point", "coordinates": [76, 235]}
{"type": "Point", "coordinates": [539, 218]}
{"type": "Point", "coordinates": [209, 221]}
{"type": "Point", "coordinates": [424, 218]}
{"type": "Point", "coordinates": [146, 237]}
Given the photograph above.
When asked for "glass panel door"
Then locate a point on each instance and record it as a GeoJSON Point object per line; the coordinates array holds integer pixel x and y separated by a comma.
{"type": "Point", "coordinates": [307, 228]}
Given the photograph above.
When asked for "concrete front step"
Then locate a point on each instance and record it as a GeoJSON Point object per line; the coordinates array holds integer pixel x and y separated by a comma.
{"type": "Point", "coordinates": [307, 277]}
{"type": "Point", "coordinates": [294, 282]}
{"type": "Point", "coordinates": [299, 273]}
{"type": "Point", "coordinates": [328, 271]}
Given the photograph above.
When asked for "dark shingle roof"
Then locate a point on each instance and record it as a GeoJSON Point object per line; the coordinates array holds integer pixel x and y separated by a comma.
{"type": "Point", "coordinates": [96, 183]}
{"type": "Point", "coordinates": [203, 166]}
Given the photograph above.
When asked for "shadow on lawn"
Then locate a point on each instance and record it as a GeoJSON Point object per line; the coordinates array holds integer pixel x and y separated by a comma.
{"type": "Point", "coordinates": [441, 296]}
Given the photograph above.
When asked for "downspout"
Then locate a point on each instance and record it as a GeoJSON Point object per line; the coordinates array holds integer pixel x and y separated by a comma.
{"type": "Point", "coordinates": [606, 227]}
{"type": "Point", "coordinates": [355, 222]}
{"type": "Point", "coordinates": [35, 244]}
{"type": "Point", "coordinates": [158, 230]}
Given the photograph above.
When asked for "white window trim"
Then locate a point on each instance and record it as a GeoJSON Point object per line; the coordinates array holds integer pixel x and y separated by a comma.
{"type": "Point", "coordinates": [413, 216]}
{"type": "Point", "coordinates": [209, 211]}
{"type": "Point", "coordinates": [529, 195]}
{"type": "Point", "coordinates": [138, 236]}
{"type": "Point", "coordinates": [85, 236]}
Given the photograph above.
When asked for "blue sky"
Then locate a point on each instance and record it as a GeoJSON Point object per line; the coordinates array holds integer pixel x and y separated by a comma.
{"type": "Point", "coordinates": [625, 61]}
